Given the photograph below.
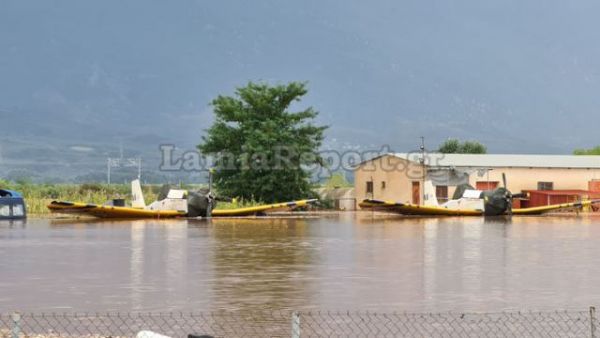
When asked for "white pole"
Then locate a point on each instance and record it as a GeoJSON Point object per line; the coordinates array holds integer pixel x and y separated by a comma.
{"type": "Point", "coordinates": [295, 325]}
{"type": "Point", "coordinates": [108, 171]}
{"type": "Point", "coordinates": [16, 329]}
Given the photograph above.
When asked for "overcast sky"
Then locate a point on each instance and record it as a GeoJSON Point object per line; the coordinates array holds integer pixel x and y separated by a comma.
{"type": "Point", "coordinates": [521, 76]}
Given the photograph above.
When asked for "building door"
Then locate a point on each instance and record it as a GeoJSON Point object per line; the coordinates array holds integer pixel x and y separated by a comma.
{"type": "Point", "coordinates": [416, 193]}
{"type": "Point", "coordinates": [370, 189]}
{"type": "Point", "coordinates": [441, 193]}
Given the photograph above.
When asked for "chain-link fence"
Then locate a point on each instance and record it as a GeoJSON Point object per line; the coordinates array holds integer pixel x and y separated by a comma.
{"type": "Point", "coordinates": [301, 324]}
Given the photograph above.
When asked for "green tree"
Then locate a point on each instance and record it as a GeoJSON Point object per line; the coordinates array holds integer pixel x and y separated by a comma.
{"type": "Point", "coordinates": [450, 146]}
{"type": "Point", "coordinates": [592, 151]}
{"type": "Point", "coordinates": [337, 180]}
{"type": "Point", "coordinates": [261, 149]}
{"type": "Point", "coordinates": [454, 146]}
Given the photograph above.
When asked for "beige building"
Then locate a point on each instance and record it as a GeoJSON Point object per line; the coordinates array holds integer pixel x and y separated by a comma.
{"type": "Point", "coordinates": [400, 176]}
{"type": "Point", "coordinates": [340, 198]}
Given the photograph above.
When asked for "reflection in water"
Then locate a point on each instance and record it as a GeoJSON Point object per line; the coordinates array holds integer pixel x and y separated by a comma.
{"type": "Point", "coordinates": [361, 261]}
{"type": "Point", "coordinates": [429, 257]}
{"type": "Point", "coordinates": [13, 223]}
{"type": "Point", "coordinates": [175, 261]}
{"type": "Point", "coordinates": [261, 264]}
{"type": "Point", "coordinates": [137, 264]}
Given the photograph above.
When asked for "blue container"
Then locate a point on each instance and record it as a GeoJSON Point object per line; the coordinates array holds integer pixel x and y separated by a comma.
{"type": "Point", "coordinates": [12, 205]}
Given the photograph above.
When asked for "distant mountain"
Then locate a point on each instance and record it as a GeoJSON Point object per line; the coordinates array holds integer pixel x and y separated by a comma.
{"type": "Point", "coordinates": [74, 75]}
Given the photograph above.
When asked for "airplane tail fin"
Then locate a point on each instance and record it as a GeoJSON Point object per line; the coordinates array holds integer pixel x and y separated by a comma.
{"type": "Point", "coordinates": [137, 196]}
{"type": "Point", "coordinates": [430, 199]}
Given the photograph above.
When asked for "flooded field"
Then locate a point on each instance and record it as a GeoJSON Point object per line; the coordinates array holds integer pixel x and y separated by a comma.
{"type": "Point", "coordinates": [350, 262]}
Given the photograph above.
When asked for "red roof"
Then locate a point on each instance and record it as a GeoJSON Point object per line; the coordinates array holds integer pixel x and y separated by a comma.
{"type": "Point", "coordinates": [562, 192]}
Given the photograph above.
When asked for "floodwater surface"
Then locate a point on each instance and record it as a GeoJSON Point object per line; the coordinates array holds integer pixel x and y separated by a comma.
{"type": "Point", "coordinates": [351, 262]}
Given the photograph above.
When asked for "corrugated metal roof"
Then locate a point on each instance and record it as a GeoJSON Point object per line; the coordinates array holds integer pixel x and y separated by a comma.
{"type": "Point", "coordinates": [503, 160]}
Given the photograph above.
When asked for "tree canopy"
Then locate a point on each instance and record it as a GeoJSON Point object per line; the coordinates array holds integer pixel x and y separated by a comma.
{"type": "Point", "coordinates": [260, 149]}
{"type": "Point", "coordinates": [454, 146]}
{"type": "Point", "coordinates": [592, 151]}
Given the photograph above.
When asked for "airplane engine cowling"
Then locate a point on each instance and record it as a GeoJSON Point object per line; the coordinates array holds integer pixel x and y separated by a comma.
{"type": "Point", "coordinates": [198, 203]}
{"type": "Point", "coordinates": [496, 202]}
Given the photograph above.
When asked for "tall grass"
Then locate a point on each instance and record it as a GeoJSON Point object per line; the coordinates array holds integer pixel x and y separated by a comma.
{"type": "Point", "coordinates": [235, 204]}
{"type": "Point", "coordinates": [38, 196]}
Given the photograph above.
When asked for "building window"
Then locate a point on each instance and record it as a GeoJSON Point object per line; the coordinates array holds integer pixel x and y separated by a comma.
{"type": "Point", "coordinates": [486, 185]}
{"type": "Point", "coordinates": [382, 184]}
{"type": "Point", "coordinates": [441, 193]}
{"type": "Point", "coordinates": [18, 210]}
{"type": "Point", "coordinates": [545, 186]}
{"type": "Point", "coordinates": [5, 210]}
{"type": "Point", "coordinates": [370, 187]}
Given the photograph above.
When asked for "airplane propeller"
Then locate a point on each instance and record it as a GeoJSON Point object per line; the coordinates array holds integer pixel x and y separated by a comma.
{"type": "Point", "coordinates": [507, 195]}
{"type": "Point", "coordinates": [510, 197]}
{"type": "Point", "coordinates": [203, 201]}
{"type": "Point", "coordinates": [212, 197]}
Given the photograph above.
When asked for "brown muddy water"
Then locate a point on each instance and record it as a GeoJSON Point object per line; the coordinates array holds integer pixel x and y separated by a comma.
{"type": "Point", "coordinates": [348, 262]}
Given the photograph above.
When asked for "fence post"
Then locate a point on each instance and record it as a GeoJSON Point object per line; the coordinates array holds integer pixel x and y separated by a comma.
{"type": "Point", "coordinates": [295, 324]}
{"type": "Point", "coordinates": [593, 321]}
{"type": "Point", "coordinates": [16, 321]}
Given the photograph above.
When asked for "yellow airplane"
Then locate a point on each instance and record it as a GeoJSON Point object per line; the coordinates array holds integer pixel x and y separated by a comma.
{"type": "Point", "coordinates": [468, 202]}
{"type": "Point", "coordinates": [177, 203]}
{"type": "Point", "coordinates": [420, 210]}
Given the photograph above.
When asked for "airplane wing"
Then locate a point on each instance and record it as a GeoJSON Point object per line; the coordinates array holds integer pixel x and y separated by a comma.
{"type": "Point", "coordinates": [104, 211]}
{"type": "Point", "coordinates": [261, 209]}
{"type": "Point", "coordinates": [553, 207]}
{"type": "Point", "coordinates": [415, 210]}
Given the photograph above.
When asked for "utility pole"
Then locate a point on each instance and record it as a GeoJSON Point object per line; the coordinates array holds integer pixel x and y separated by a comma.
{"type": "Point", "coordinates": [423, 169]}
{"type": "Point", "coordinates": [121, 149]}
{"type": "Point", "coordinates": [139, 168]}
{"type": "Point", "coordinates": [123, 162]}
{"type": "Point", "coordinates": [210, 202]}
